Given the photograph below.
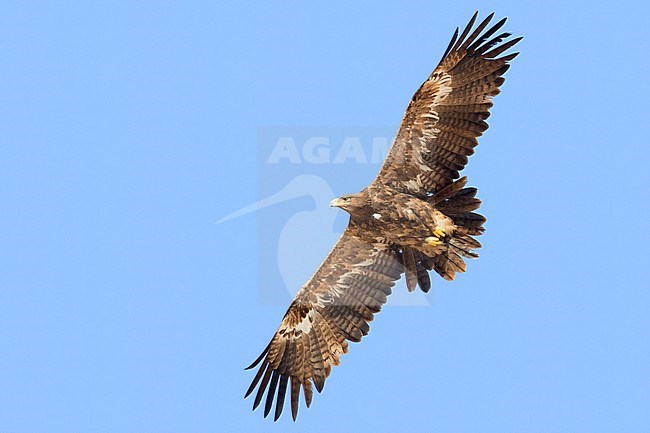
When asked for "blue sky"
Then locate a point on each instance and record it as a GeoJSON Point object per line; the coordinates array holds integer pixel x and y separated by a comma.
{"type": "Point", "coordinates": [128, 129]}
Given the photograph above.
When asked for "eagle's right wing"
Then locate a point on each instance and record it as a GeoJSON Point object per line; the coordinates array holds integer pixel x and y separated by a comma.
{"type": "Point", "coordinates": [334, 306]}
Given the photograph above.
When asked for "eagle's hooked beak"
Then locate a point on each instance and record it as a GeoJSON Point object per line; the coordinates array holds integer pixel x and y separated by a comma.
{"type": "Point", "coordinates": [337, 202]}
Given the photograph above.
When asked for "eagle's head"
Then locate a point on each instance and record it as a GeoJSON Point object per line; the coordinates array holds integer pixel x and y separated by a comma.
{"type": "Point", "coordinates": [353, 203]}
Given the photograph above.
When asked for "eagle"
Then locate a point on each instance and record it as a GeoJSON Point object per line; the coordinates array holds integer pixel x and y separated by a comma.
{"type": "Point", "coordinates": [418, 215]}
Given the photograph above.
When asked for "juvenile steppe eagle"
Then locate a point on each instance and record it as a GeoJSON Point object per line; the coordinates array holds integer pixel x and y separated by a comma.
{"type": "Point", "coordinates": [416, 216]}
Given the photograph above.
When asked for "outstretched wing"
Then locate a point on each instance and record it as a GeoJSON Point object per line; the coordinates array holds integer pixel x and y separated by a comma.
{"type": "Point", "coordinates": [447, 113]}
{"type": "Point", "coordinates": [334, 306]}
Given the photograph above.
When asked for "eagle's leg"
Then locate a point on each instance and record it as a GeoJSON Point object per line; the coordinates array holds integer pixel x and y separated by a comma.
{"type": "Point", "coordinates": [435, 240]}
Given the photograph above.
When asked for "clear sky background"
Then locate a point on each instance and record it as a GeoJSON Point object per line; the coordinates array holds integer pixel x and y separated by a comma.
{"type": "Point", "coordinates": [127, 129]}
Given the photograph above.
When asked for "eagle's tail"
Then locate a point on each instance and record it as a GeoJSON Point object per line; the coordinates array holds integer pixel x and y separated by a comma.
{"type": "Point", "coordinates": [458, 203]}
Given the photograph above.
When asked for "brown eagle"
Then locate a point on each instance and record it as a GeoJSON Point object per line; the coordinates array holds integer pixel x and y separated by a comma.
{"type": "Point", "coordinates": [416, 216]}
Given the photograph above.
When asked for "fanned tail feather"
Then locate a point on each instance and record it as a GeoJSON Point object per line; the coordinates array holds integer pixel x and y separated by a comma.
{"type": "Point", "coordinates": [459, 203]}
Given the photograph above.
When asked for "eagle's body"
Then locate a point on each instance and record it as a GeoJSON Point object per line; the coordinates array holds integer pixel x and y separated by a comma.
{"type": "Point", "coordinates": [400, 218]}
{"type": "Point", "coordinates": [416, 216]}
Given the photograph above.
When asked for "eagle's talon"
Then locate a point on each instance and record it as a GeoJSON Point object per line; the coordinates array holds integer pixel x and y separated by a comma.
{"type": "Point", "coordinates": [440, 233]}
{"type": "Point", "coordinates": [433, 241]}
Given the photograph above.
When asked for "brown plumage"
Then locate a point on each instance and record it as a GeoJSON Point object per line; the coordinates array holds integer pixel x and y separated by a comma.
{"type": "Point", "coordinates": [416, 216]}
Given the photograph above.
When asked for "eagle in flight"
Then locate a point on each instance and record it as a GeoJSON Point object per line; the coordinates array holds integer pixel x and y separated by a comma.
{"type": "Point", "coordinates": [416, 216]}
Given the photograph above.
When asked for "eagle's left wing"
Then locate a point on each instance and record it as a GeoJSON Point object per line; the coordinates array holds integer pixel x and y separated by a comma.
{"type": "Point", "coordinates": [447, 113]}
{"type": "Point", "coordinates": [334, 306]}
